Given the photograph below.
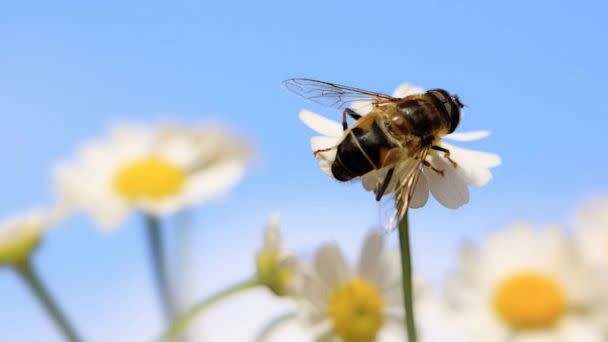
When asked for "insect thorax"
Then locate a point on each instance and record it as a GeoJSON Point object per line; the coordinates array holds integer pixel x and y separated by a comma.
{"type": "Point", "coordinates": [416, 118]}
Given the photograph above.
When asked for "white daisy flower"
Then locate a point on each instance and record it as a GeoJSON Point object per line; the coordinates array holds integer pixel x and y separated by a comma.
{"type": "Point", "coordinates": [521, 284]}
{"type": "Point", "coordinates": [591, 234]}
{"type": "Point", "coordinates": [340, 304]}
{"type": "Point", "coordinates": [276, 266]}
{"type": "Point", "coordinates": [450, 188]}
{"type": "Point", "coordinates": [21, 234]}
{"type": "Point", "coordinates": [159, 170]}
{"type": "Point", "coordinates": [591, 227]}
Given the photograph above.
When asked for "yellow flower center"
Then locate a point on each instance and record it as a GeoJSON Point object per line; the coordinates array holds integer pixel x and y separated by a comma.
{"type": "Point", "coordinates": [271, 274]}
{"type": "Point", "coordinates": [356, 310]}
{"type": "Point", "coordinates": [151, 178]}
{"type": "Point", "coordinates": [530, 301]}
{"type": "Point", "coordinates": [16, 245]}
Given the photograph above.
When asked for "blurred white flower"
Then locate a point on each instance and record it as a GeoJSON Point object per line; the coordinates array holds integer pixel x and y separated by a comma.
{"type": "Point", "coordinates": [157, 169]}
{"type": "Point", "coordinates": [339, 304]}
{"type": "Point", "coordinates": [591, 234]}
{"type": "Point", "coordinates": [591, 228]}
{"type": "Point", "coordinates": [21, 234]}
{"type": "Point", "coordinates": [521, 284]}
{"type": "Point", "coordinates": [277, 268]}
{"type": "Point", "coordinates": [450, 189]}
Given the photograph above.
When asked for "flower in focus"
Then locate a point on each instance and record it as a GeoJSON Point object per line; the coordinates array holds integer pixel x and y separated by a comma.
{"type": "Point", "coordinates": [21, 234]}
{"type": "Point", "coordinates": [340, 304]}
{"type": "Point", "coordinates": [158, 170]}
{"type": "Point", "coordinates": [276, 267]}
{"type": "Point", "coordinates": [449, 188]}
{"type": "Point", "coordinates": [524, 285]}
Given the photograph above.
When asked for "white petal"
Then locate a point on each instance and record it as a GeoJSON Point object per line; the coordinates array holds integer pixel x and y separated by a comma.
{"type": "Point", "coordinates": [407, 89]}
{"type": "Point", "coordinates": [371, 179]}
{"type": "Point", "coordinates": [202, 185]}
{"type": "Point", "coordinates": [362, 107]}
{"type": "Point", "coordinates": [393, 297]}
{"type": "Point", "coordinates": [371, 258]}
{"type": "Point", "coordinates": [391, 265]}
{"type": "Point", "coordinates": [472, 173]}
{"type": "Point", "coordinates": [326, 168]}
{"type": "Point", "coordinates": [180, 150]}
{"type": "Point", "coordinates": [326, 158]}
{"type": "Point", "coordinates": [331, 266]}
{"type": "Point", "coordinates": [450, 189]}
{"type": "Point", "coordinates": [325, 336]}
{"type": "Point", "coordinates": [580, 329]}
{"type": "Point", "coordinates": [320, 143]}
{"type": "Point", "coordinates": [421, 193]}
{"type": "Point", "coordinates": [321, 124]}
{"type": "Point", "coordinates": [473, 166]}
{"type": "Point", "coordinates": [291, 264]}
{"type": "Point", "coordinates": [393, 330]}
{"type": "Point", "coordinates": [538, 336]}
{"type": "Point", "coordinates": [313, 294]}
{"type": "Point", "coordinates": [212, 182]}
{"type": "Point", "coordinates": [485, 159]}
{"type": "Point", "coordinates": [468, 136]}
{"type": "Point", "coordinates": [86, 189]}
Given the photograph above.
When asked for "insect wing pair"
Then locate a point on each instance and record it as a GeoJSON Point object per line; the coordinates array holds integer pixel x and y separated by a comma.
{"type": "Point", "coordinates": [408, 169]}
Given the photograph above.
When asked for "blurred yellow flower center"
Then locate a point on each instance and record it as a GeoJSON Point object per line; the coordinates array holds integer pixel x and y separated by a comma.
{"type": "Point", "coordinates": [356, 311]}
{"type": "Point", "coordinates": [17, 244]}
{"type": "Point", "coordinates": [151, 178]}
{"type": "Point", "coordinates": [530, 301]}
{"type": "Point", "coordinates": [271, 274]}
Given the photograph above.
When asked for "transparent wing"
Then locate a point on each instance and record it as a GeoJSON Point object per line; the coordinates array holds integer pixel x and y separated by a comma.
{"type": "Point", "coordinates": [384, 181]}
{"type": "Point", "coordinates": [333, 95]}
{"type": "Point", "coordinates": [392, 210]}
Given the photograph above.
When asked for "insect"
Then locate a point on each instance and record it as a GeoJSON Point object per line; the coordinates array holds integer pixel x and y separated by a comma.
{"type": "Point", "coordinates": [396, 135]}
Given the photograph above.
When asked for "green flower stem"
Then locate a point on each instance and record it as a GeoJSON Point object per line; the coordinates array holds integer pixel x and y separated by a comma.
{"type": "Point", "coordinates": [29, 276]}
{"type": "Point", "coordinates": [182, 322]}
{"type": "Point", "coordinates": [272, 325]}
{"type": "Point", "coordinates": [184, 237]}
{"type": "Point", "coordinates": [157, 257]}
{"type": "Point", "coordinates": [406, 268]}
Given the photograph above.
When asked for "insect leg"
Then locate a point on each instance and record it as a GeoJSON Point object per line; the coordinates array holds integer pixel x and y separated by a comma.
{"type": "Point", "coordinates": [439, 171]}
{"type": "Point", "coordinates": [387, 180]}
{"type": "Point", "coordinates": [323, 150]}
{"type": "Point", "coordinates": [352, 114]}
{"type": "Point", "coordinates": [446, 153]}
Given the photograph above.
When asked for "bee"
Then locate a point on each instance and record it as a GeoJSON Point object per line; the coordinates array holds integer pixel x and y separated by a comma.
{"type": "Point", "coordinates": [397, 134]}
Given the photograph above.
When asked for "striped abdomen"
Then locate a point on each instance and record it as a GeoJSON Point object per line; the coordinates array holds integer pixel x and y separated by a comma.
{"type": "Point", "coordinates": [360, 152]}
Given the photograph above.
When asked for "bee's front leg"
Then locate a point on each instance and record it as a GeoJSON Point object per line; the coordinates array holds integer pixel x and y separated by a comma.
{"type": "Point", "coordinates": [446, 153]}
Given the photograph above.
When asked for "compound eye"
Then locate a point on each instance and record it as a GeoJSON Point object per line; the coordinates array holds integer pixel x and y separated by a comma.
{"type": "Point", "coordinates": [454, 120]}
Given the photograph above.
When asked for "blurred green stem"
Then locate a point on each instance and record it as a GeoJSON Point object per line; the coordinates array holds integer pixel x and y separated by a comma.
{"type": "Point", "coordinates": [272, 325]}
{"type": "Point", "coordinates": [157, 258]}
{"type": "Point", "coordinates": [29, 276]}
{"type": "Point", "coordinates": [184, 320]}
{"type": "Point", "coordinates": [184, 237]}
{"type": "Point", "coordinates": [182, 278]}
{"type": "Point", "coordinates": [406, 271]}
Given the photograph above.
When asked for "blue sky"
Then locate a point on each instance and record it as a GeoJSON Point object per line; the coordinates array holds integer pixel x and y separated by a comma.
{"type": "Point", "coordinates": [534, 73]}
